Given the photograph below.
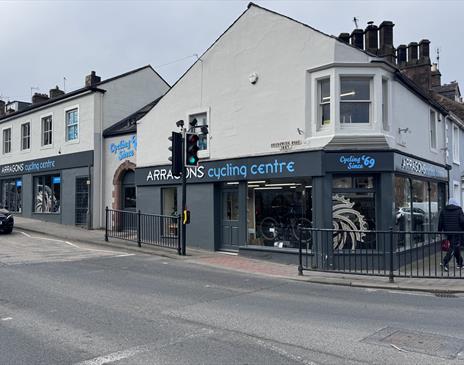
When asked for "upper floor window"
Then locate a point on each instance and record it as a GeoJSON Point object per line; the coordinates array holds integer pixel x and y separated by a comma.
{"type": "Point", "coordinates": [47, 131]}
{"type": "Point", "coordinates": [455, 144]}
{"type": "Point", "coordinates": [355, 100]}
{"type": "Point", "coordinates": [72, 125]}
{"type": "Point", "coordinates": [7, 140]}
{"type": "Point", "coordinates": [25, 136]}
{"type": "Point", "coordinates": [323, 87]}
{"type": "Point", "coordinates": [433, 130]}
{"type": "Point", "coordinates": [202, 120]}
{"type": "Point", "coordinates": [385, 105]}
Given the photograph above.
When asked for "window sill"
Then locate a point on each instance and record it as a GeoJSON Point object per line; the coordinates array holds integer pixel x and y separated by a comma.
{"type": "Point", "coordinates": [73, 141]}
{"type": "Point", "coordinates": [456, 162]}
{"type": "Point", "coordinates": [46, 147]}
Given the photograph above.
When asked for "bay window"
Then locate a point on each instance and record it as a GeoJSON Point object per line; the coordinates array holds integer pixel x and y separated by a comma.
{"type": "Point", "coordinates": [355, 100]}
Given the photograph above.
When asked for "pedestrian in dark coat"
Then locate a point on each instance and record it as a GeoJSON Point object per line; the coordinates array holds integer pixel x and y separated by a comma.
{"type": "Point", "coordinates": [452, 220]}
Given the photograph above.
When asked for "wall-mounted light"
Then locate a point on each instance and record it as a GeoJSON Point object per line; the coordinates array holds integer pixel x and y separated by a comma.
{"type": "Point", "coordinates": [253, 78]}
{"type": "Point", "coordinates": [403, 130]}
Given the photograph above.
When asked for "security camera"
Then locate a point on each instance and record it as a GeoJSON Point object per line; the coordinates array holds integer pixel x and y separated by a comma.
{"type": "Point", "coordinates": [180, 123]}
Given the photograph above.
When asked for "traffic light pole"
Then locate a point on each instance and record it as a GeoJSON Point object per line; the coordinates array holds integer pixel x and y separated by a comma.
{"type": "Point", "coordinates": [184, 196]}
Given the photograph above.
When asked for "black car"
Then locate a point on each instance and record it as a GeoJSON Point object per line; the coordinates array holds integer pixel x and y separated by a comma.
{"type": "Point", "coordinates": [6, 221]}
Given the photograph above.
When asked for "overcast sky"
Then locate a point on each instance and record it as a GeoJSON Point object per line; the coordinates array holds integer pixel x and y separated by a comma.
{"type": "Point", "coordinates": [45, 41]}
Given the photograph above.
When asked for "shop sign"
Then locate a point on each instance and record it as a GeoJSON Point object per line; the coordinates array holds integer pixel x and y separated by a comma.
{"type": "Point", "coordinates": [125, 148]}
{"type": "Point", "coordinates": [358, 162]}
{"type": "Point", "coordinates": [419, 168]}
{"type": "Point", "coordinates": [46, 164]}
{"type": "Point", "coordinates": [285, 165]}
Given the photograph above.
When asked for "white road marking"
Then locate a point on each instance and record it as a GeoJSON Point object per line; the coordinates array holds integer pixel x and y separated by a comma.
{"type": "Point", "coordinates": [7, 319]}
{"type": "Point", "coordinates": [76, 246]}
{"type": "Point", "coordinates": [398, 348]}
{"type": "Point", "coordinates": [115, 356]}
{"type": "Point", "coordinates": [284, 353]}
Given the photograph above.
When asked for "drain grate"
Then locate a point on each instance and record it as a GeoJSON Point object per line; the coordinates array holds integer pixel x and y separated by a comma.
{"type": "Point", "coordinates": [421, 342]}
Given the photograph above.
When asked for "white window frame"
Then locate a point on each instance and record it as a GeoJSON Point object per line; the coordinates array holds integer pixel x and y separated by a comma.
{"type": "Point", "coordinates": [320, 103]}
{"type": "Point", "coordinates": [457, 191]}
{"type": "Point", "coordinates": [342, 76]}
{"type": "Point", "coordinates": [42, 117]}
{"type": "Point", "coordinates": [4, 152]}
{"type": "Point", "coordinates": [202, 153]}
{"type": "Point", "coordinates": [385, 104]}
{"type": "Point", "coordinates": [456, 157]}
{"type": "Point", "coordinates": [22, 136]}
{"type": "Point", "coordinates": [432, 148]}
{"type": "Point", "coordinates": [66, 110]}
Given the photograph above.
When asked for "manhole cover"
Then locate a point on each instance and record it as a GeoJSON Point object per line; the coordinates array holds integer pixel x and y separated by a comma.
{"type": "Point", "coordinates": [422, 342]}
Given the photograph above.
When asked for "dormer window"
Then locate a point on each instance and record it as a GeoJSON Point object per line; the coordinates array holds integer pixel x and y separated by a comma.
{"type": "Point", "coordinates": [355, 100]}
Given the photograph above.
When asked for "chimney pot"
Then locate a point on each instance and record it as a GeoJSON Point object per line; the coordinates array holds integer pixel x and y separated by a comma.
{"type": "Point", "coordinates": [371, 38]}
{"type": "Point", "coordinates": [344, 37]}
{"type": "Point", "coordinates": [424, 51]}
{"type": "Point", "coordinates": [386, 48]}
{"type": "Point", "coordinates": [401, 55]}
{"type": "Point", "coordinates": [39, 98]}
{"type": "Point", "coordinates": [412, 53]}
{"type": "Point", "coordinates": [357, 38]}
{"type": "Point", "coordinates": [92, 79]}
{"type": "Point", "coordinates": [56, 92]}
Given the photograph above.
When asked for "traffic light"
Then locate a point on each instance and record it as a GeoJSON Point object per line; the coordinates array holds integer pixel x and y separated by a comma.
{"type": "Point", "coordinates": [176, 153]}
{"type": "Point", "coordinates": [191, 149]}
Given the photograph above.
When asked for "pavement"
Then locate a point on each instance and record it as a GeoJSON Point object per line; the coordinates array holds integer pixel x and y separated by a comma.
{"type": "Point", "coordinates": [228, 261]}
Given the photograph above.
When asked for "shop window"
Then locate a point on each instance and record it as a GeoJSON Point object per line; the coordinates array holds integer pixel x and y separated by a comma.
{"type": "Point", "coordinates": [274, 212]}
{"type": "Point", "coordinates": [433, 130]}
{"type": "Point", "coordinates": [353, 212]}
{"type": "Point", "coordinates": [47, 131]}
{"type": "Point", "coordinates": [72, 124]}
{"type": "Point", "coordinates": [323, 87]}
{"type": "Point", "coordinates": [169, 201]}
{"type": "Point", "coordinates": [25, 136]}
{"type": "Point", "coordinates": [417, 207]}
{"type": "Point", "coordinates": [202, 120]}
{"type": "Point", "coordinates": [7, 140]}
{"type": "Point", "coordinates": [11, 197]}
{"type": "Point", "coordinates": [47, 194]}
{"type": "Point", "coordinates": [355, 100]}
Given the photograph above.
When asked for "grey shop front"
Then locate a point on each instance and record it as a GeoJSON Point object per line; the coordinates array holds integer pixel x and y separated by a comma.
{"type": "Point", "coordinates": [255, 204]}
{"type": "Point", "coordinates": [55, 189]}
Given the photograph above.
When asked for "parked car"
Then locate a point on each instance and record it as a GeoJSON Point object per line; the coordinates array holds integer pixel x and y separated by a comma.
{"type": "Point", "coordinates": [6, 221]}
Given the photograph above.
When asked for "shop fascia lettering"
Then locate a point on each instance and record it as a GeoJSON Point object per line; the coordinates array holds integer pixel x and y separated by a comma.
{"type": "Point", "coordinates": [125, 148]}
{"type": "Point", "coordinates": [357, 162]}
{"type": "Point", "coordinates": [421, 168]}
{"type": "Point", "coordinates": [227, 171]}
{"type": "Point", "coordinates": [28, 167]}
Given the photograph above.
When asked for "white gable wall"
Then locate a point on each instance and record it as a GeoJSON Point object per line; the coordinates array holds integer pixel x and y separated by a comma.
{"type": "Point", "coordinates": [244, 118]}
{"type": "Point", "coordinates": [126, 95]}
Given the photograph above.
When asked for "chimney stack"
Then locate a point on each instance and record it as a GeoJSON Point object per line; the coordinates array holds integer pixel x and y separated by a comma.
{"type": "Point", "coordinates": [54, 93]}
{"type": "Point", "coordinates": [2, 108]}
{"type": "Point", "coordinates": [386, 48]}
{"type": "Point", "coordinates": [371, 40]}
{"type": "Point", "coordinates": [412, 53]}
{"type": "Point", "coordinates": [92, 79]}
{"type": "Point", "coordinates": [344, 37]}
{"type": "Point", "coordinates": [435, 75]}
{"type": "Point", "coordinates": [357, 39]}
{"type": "Point", "coordinates": [401, 55]}
{"type": "Point", "coordinates": [424, 51]}
{"type": "Point", "coordinates": [39, 98]}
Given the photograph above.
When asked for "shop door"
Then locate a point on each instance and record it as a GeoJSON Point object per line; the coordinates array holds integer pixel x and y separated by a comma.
{"type": "Point", "coordinates": [82, 201]}
{"type": "Point", "coordinates": [128, 200]}
{"type": "Point", "coordinates": [230, 219]}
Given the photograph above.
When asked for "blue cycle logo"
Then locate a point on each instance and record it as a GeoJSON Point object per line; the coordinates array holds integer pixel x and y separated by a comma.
{"type": "Point", "coordinates": [358, 162]}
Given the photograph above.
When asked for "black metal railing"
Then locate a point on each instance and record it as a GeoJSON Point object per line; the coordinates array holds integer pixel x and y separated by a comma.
{"type": "Point", "coordinates": [152, 229]}
{"type": "Point", "coordinates": [389, 253]}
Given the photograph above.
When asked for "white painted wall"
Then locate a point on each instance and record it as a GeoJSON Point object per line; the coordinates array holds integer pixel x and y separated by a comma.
{"type": "Point", "coordinates": [128, 94]}
{"type": "Point", "coordinates": [409, 111]}
{"type": "Point", "coordinates": [85, 104]}
{"type": "Point", "coordinates": [112, 161]}
{"type": "Point", "coordinates": [243, 115]}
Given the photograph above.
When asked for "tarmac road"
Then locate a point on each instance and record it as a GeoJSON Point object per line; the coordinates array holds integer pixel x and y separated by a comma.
{"type": "Point", "coordinates": [67, 303]}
